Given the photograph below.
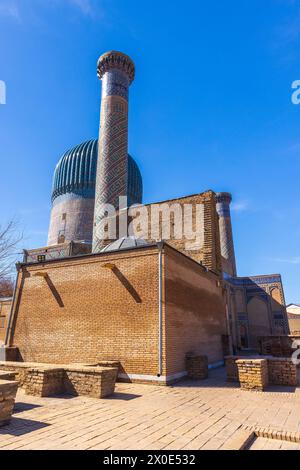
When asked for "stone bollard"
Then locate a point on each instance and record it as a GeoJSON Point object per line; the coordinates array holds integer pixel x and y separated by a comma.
{"type": "Point", "coordinates": [253, 374]}
{"type": "Point", "coordinates": [196, 366]}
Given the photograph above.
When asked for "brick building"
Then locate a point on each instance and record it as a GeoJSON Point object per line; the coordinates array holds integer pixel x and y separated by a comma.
{"type": "Point", "coordinates": [293, 314]}
{"type": "Point", "coordinates": [5, 306]}
{"type": "Point", "coordinates": [134, 298]}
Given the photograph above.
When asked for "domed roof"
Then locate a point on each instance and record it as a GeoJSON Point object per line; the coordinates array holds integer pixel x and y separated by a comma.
{"type": "Point", "coordinates": [125, 243]}
{"type": "Point", "coordinates": [75, 173]}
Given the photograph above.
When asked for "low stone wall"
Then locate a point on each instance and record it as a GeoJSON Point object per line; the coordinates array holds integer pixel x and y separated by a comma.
{"type": "Point", "coordinates": [8, 391]}
{"type": "Point", "coordinates": [277, 346]}
{"type": "Point", "coordinates": [20, 369]}
{"type": "Point", "coordinates": [7, 375]}
{"type": "Point", "coordinates": [281, 371]}
{"type": "Point", "coordinates": [46, 379]}
{"type": "Point", "coordinates": [44, 382]}
{"type": "Point", "coordinates": [253, 374]}
{"type": "Point", "coordinates": [94, 382]}
{"type": "Point", "coordinates": [197, 367]}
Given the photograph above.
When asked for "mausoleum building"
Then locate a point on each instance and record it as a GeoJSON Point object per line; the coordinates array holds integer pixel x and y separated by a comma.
{"type": "Point", "coordinates": [144, 299]}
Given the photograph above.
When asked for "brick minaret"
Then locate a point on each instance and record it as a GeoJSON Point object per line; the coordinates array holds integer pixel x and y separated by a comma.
{"type": "Point", "coordinates": [116, 70]}
{"type": "Point", "coordinates": [227, 247]}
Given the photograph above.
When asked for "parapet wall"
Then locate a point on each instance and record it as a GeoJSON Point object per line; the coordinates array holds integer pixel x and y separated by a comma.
{"type": "Point", "coordinates": [279, 346]}
{"type": "Point", "coordinates": [280, 371]}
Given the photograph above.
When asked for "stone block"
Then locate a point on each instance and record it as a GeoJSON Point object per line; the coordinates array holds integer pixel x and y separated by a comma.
{"type": "Point", "coordinates": [97, 382]}
{"type": "Point", "coordinates": [197, 367]}
{"type": "Point", "coordinates": [282, 371]}
{"type": "Point", "coordinates": [8, 391]}
{"type": "Point", "coordinates": [253, 374]}
{"type": "Point", "coordinates": [47, 379]}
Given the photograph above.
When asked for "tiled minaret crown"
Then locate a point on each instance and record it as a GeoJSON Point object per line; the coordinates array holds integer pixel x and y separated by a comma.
{"type": "Point", "coordinates": [116, 70]}
{"type": "Point", "coordinates": [223, 201]}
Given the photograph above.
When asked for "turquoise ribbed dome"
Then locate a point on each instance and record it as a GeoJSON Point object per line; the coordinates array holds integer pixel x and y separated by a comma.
{"type": "Point", "coordinates": [75, 174]}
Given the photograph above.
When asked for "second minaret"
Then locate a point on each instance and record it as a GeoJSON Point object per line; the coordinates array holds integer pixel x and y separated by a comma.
{"type": "Point", "coordinates": [116, 70]}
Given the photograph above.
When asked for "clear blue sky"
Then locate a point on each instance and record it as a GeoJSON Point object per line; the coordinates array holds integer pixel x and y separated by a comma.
{"type": "Point", "coordinates": [210, 109]}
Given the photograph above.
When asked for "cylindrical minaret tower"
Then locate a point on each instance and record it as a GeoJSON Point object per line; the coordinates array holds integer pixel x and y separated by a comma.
{"type": "Point", "coordinates": [227, 247]}
{"type": "Point", "coordinates": [116, 70]}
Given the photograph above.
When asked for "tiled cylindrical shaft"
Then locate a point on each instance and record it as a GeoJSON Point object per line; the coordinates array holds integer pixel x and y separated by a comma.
{"type": "Point", "coordinates": [116, 70]}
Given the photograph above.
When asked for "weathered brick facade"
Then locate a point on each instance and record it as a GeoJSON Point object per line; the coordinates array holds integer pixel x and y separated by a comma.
{"type": "Point", "coordinates": [197, 367]}
{"type": "Point", "coordinates": [195, 312]}
{"type": "Point", "coordinates": [279, 346]}
{"type": "Point", "coordinates": [44, 380]}
{"type": "Point", "coordinates": [253, 374]}
{"type": "Point", "coordinates": [5, 305]}
{"type": "Point", "coordinates": [256, 308]}
{"type": "Point", "coordinates": [281, 370]}
{"type": "Point", "coordinates": [210, 253]}
{"type": "Point", "coordinates": [106, 307]}
{"type": "Point", "coordinates": [8, 391]}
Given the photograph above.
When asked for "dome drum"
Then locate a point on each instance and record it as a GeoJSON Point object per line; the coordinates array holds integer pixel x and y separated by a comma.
{"type": "Point", "coordinates": [73, 193]}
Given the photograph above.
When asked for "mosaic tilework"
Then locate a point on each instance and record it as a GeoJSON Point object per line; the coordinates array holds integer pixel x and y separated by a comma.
{"type": "Point", "coordinates": [251, 280]}
{"type": "Point", "coordinates": [116, 71]}
{"type": "Point", "coordinates": [115, 83]}
{"type": "Point", "coordinates": [223, 201]}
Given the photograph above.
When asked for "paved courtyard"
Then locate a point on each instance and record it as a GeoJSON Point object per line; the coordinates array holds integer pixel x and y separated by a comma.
{"type": "Point", "coordinates": [204, 414]}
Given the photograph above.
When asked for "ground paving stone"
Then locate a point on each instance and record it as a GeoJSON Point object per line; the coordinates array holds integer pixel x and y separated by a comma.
{"type": "Point", "coordinates": [191, 415]}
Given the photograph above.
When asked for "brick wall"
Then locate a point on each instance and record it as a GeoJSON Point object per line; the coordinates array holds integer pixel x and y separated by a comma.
{"type": "Point", "coordinates": [232, 373]}
{"type": "Point", "coordinates": [281, 371]}
{"type": "Point", "coordinates": [19, 369]}
{"type": "Point", "coordinates": [95, 382]}
{"type": "Point", "coordinates": [253, 374]}
{"type": "Point", "coordinates": [294, 323]}
{"type": "Point", "coordinates": [8, 391]}
{"type": "Point", "coordinates": [197, 367]}
{"type": "Point", "coordinates": [195, 312]}
{"type": "Point", "coordinates": [84, 312]}
{"type": "Point", "coordinates": [4, 314]}
{"type": "Point", "coordinates": [80, 310]}
{"type": "Point", "coordinates": [279, 346]}
{"type": "Point", "coordinates": [43, 382]}
{"type": "Point", "coordinates": [210, 253]}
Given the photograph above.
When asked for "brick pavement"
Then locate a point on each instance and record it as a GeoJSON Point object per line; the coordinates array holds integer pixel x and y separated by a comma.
{"type": "Point", "coordinates": [204, 414]}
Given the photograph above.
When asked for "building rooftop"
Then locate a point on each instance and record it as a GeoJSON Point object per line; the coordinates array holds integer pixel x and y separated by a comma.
{"type": "Point", "coordinates": [125, 243]}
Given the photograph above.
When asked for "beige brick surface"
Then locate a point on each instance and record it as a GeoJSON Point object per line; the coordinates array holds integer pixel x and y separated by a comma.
{"type": "Point", "coordinates": [192, 415]}
{"type": "Point", "coordinates": [85, 312]}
